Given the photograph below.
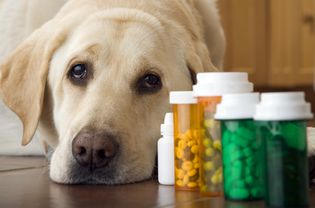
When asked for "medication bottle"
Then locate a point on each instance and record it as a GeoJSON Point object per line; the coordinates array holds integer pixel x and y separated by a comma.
{"type": "Point", "coordinates": [166, 152]}
{"type": "Point", "coordinates": [282, 127]}
{"type": "Point", "coordinates": [208, 90]}
{"type": "Point", "coordinates": [186, 135]}
{"type": "Point", "coordinates": [242, 152]}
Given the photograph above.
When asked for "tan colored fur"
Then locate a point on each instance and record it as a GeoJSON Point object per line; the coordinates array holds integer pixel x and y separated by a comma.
{"type": "Point", "coordinates": [121, 39]}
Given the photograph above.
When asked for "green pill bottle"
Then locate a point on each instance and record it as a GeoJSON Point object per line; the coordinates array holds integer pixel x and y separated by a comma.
{"type": "Point", "coordinates": [281, 125]}
{"type": "Point", "coordinates": [242, 153]}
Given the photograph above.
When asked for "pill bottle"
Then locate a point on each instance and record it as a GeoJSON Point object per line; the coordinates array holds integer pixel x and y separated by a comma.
{"type": "Point", "coordinates": [242, 152]}
{"type": "Point", "coordinates": [186, 135]}
{"type": "Point", "coordinates": [209, 89]}
{"type": "Point", "coordinates": [166, 152]}
{"type": "Point", "coordinates": [281, 124]}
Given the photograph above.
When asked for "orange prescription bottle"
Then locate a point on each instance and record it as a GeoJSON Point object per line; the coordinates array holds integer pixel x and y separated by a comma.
{"type": "Point", "coordinates": [186, 137]}
{"type": "Point", "coordinates": [209, 89]}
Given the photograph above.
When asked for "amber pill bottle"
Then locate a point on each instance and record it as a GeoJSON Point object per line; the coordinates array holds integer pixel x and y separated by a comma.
{"type": "Point", "coordinates": [209, 90]}
{"type": "Point", "coordinates": [186, 138]}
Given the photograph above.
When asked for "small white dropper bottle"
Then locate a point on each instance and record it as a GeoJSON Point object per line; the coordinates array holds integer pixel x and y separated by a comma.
{"type": "Point", "coordinates": [166, 152]}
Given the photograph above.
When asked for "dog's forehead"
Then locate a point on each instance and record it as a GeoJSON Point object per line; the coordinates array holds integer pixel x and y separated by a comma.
{"type": "Point", "coordinates": [130, 33]}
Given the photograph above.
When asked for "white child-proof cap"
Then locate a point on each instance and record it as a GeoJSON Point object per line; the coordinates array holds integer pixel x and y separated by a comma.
{"type": "Point", "coordinates": [279, 106]}
{"type": "Point", "coordinates": [237, 106]}
{"type": "Point", "coordinates": [182, 97]}
{"type": "Point", "coordinates": [220, 83]}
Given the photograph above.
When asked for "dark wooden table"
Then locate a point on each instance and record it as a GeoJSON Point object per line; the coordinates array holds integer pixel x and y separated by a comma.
{"type": "Point", "coordinates": [24, 183]}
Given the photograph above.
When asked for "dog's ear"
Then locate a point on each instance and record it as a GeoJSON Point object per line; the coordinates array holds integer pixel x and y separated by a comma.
{"type": "Point", "coordinates": [23, 77]}
{"type": "Point", "coordinates": [198, 59]}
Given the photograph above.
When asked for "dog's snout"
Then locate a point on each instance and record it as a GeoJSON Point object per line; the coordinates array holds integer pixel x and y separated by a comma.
{"type": "Point", "coordinates": [93, 150]}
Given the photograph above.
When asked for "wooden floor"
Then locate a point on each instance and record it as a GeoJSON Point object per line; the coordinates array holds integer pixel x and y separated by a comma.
{"type": "Point", "coordinates": [24, 182]}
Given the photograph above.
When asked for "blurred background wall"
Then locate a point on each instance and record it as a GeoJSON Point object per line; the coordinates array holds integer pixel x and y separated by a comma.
{"type": "Point", "coordinates": [272, 40]}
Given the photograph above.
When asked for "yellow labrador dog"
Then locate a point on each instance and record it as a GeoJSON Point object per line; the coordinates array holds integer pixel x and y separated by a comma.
{"type": "Point", "coordinates": [95, 78]}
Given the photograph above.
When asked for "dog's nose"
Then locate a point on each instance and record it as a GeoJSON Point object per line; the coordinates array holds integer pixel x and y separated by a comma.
{"type": "Point", "coordinates": [93, 150]}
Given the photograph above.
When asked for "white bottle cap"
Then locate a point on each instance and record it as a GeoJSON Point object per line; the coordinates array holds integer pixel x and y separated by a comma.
{"type": "Point", "coordinates": [182, 97]}
{"type": "Point", "coordinates": [279, 106]}
{"type": "Point", "coordinates": [237, 106]}
{"type": "Point", "coordinates": [219, 83]}
{"type": "Point", "coordinates": [167, 128]}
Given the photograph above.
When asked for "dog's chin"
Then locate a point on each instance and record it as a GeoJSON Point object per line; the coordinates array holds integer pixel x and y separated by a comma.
{"type": "Point", "coordinates": [99, 180]}
{"type": "Point", "coordinates": [107, 176]}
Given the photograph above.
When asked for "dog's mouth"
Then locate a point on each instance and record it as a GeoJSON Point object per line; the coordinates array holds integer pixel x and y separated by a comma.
{"type": "Point", "coordinates": [86, 175]}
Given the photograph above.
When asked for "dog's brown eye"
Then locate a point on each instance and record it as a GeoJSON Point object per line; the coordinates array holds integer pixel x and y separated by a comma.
{"type": "Point", "coordinates": [149, 83]}
{"type": "Point", "coordinates": [78, 73]}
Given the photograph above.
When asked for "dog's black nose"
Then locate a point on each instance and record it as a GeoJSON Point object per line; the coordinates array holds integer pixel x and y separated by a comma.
{"type": "Point", "coordinates": [93, 150]}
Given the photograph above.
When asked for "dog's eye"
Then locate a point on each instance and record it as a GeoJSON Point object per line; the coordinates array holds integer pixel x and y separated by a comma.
{"type": "Point", "coordinates": [149, 83]}
{"type": "Point", "coordinates": [78, 73]}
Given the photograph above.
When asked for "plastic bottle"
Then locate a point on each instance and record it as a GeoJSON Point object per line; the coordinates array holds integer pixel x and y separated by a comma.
{"type": "Point", "coordinates": [282, 127]}
{"type": "Point", "coordinates": [242, 152]}
{"type": "Point", "coordinates": [186, 135]}
{"type": "Point", "coordinates": [208, 90]}
{"type": "Point", "coordinates": [166, 152]}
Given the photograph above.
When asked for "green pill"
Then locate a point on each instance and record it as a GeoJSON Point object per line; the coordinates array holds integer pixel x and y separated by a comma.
{"type": "Point", "coordinates": [247, 151]}
{"type": "Point", "coordinates": [246, 134]}
{"type": "Point", "coordinates": [240, 184]}
{"type": "Point", "coordinates": [231, 148]}
{"type": "Point", "coordinates": [292, 133]}
{"type": "Point", "coordinates": [256, 192]}
{"type": "Point", "coordinates": [236, 155]}
{"type": "Point", "coordinates": [249, 180]}
{"type": "Point", "coordinates": [250, 161]}
{"type": "Point", "coordinates": [239, 193]}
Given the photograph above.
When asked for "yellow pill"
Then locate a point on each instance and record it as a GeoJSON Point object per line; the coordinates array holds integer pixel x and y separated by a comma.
{"type": "Point", "coordinates": [208, 166]}
{"type": "Point", "coordinates": [217, 144]}
{"type": "Point", "coordinates": [219, 171]}
{"type": "Point", "coordinates": [181, 136]}
{"type": "Point", "coordinates": [196, 133]}
{"type": "Point", "coordinates": [182, 144]}
{"type": "Point", "coordinates": [180, 173]}
{"type": "Point", "coordinates": [195, 149]}
{"type": "Point", "coordinates": [192, 172]}
{"type": "Point", "coordinates": [202, 133]}
{"type": "Point", "coordinates": [191, 143]}
{"type": "Point", "coordinates": [188, 134]}
{"type": "Point", "coordinates": [209, 123]}
{"type": "Point", "coordinates": [203, 188]}
{"type": "Point", "coordinates": [192, 184]}
{"type": "Point", "coordinates": [179, 153]}
{"type": "Point", "coordinates": [179, 183]}
{"type": "Point", "coordinates": [196, 159]}
{"type": "Point", "coordinates": [196, 165]}
{"type": "Point", "coordinates": [215, 179]}
{"type": "Point", "coordinates": [185, 180]}
{"type": "Point", "coordinates": [207, 142]}
{"type": "Point", "coordinates": [209, 152]}
{"type": "Point", "coordinates": [187, 165]}
{"type": "Point", "coordinates": [219, 178]}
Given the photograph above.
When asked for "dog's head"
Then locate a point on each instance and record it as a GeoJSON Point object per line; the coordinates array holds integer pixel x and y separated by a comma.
{"type": "Point", "coordinates": [97, 83]}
